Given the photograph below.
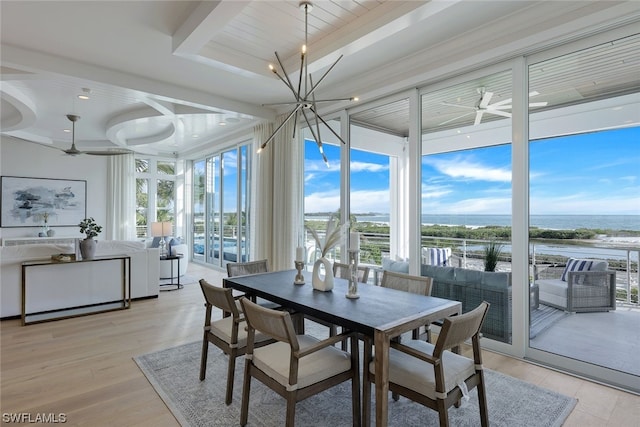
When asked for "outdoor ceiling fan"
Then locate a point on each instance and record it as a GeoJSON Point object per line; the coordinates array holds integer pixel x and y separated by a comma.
{"type": "Point", "coordinates": [73, 151]}
{"type": "Point", "coordinates": [483, 106]}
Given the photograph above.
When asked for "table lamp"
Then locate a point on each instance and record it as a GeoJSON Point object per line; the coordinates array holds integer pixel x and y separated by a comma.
{"type": "Point", "coordinates": [161, 229]}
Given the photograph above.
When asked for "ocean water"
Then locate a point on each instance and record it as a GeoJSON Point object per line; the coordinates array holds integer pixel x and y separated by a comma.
{"type": "Point", "coordinates": [552, 222]}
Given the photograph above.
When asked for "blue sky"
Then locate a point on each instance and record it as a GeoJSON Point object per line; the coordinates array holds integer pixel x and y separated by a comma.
{"type": "Point", "coordinates": [594, 173]}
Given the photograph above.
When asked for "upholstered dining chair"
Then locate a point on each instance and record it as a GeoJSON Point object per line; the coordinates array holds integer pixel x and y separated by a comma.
{"type": "Point", "coordinates": [296, 366]}
{"type": "Point", "coordinates": [408, 283]}
{"type": "Point", "coordinates": [228, 334]}
{"type": "Point", "coordinates": [432, 375]}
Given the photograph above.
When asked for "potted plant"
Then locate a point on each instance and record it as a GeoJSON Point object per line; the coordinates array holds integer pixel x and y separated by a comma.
{"type": "Point", "coordinates": [89, 227]}
{"type": "Point", "coordinates": [492, 252]}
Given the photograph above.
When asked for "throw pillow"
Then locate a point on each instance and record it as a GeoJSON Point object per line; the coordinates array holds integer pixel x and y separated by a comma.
{"type": "Point", "coordinates": [395, 266]}
{"type": "Point", "coordinates": [575, 265]}
{"type": "Point", "coordinates": [155, 243]}
{"type": "Point", "coordinates": [439, 256]}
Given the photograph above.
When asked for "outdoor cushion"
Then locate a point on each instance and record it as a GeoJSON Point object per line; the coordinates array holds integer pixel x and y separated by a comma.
{"type": "Point", "coordinates": [395, 266]}
{"type": "Point", "coordinates": [576, 265]}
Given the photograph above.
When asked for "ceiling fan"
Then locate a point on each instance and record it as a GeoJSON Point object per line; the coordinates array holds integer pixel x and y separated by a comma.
{"type": "Point", "coordinates": [483, 106]}
{"type": "Point", "coordinates": [73, 151]}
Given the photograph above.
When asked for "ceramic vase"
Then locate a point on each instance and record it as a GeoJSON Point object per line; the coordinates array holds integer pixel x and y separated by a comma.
{"type": "Point", "coordinates": [322, 275]}
{"type": "Point", "coordinates": [88, 248]}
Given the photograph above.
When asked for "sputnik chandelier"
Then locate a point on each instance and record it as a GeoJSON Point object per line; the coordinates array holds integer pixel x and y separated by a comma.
{"type": "Point", "coordinates": [305, 102]}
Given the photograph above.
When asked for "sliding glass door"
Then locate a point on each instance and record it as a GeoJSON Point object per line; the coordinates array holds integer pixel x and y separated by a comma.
{"type": "Point", "coordinates": [584, 187]}
{"type": "Point", "coordinates": [221, 195]}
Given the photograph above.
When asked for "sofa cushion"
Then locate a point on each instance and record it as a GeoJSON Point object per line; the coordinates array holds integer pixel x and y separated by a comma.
{"type": "Point", "coordinates": [496, 279]}
{"type": "Point", "coordinates": [575, 265]}
{"type": "Point", "coordinates": [395, 266]}
{"type": "Point", "coordinates": [438, 273]}
{"type": "Point", "coordinates": [468, 277]}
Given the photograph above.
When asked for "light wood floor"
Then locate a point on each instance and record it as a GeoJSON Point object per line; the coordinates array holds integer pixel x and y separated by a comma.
{"type": "Point", "coordinates": [83, 367]}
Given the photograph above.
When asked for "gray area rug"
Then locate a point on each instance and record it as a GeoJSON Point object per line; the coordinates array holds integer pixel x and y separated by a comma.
{"type": "Point", "coordinates": [544, 317]}
{"type": "Point", "coordinates": [174, 375]}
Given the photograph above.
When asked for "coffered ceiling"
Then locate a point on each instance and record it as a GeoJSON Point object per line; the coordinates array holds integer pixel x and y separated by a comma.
{"type": "Point", "coordinates": [180, 77]}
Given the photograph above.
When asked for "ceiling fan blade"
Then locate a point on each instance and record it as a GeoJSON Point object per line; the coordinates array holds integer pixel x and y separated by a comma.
{"type": "Point", "coordinates": [486, 98]}
{"type": "Point", "coordinates": [455, 118]}
{"type": "Point", "coordinates": [478, 118]}
{"type": "Point", "coordinates": [458, 105]}
{"type": "Point", "coordinates": [106, 153]}
{"type": "Point", "coordinates": [499, 113]}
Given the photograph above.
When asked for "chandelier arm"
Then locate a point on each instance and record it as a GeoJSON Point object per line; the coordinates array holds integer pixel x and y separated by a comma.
{"type": "Point", "coordinates": [295, 125]}
{"type": "Point", "coordinates": [312, 106]}
{"type": "Point", "coordinates": [288, 81]}
{"type": "Point", "coordinates": [318, 142]}
{"type": "Point", "coordinates": [302, 64]}
{"type": "Point", "coordinates": [275, 132]}
{"type": "Point", "coordinates": [314, 87]}
{"type": "Point", "coordinates": [327, 125]}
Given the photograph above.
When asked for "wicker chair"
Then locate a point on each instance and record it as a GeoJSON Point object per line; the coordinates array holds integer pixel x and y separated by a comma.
{"type": "Point", "coordinates": [577, 291]}
{"type": "Point", "coordinates": [429, 374]}
{"type": "Point", "coordinates": [228, 334]}
{"type": "Point", "coordinates": [310, 366]}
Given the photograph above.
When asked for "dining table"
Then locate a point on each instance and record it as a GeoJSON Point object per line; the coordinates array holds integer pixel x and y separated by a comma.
{"type": "Point", "coordinates": [379, 313]}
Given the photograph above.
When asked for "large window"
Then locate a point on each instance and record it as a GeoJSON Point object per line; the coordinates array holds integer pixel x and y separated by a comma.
{"type": "Point", "coordinates": [466, 192]}
{"type": "Point", "coordinates": [155, 193]}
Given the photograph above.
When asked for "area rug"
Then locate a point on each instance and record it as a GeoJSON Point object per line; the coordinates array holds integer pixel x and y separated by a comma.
{"type": "Point", "coordinates": [174, 375]}
{"type": "Point", "coordinates": [543, 318]}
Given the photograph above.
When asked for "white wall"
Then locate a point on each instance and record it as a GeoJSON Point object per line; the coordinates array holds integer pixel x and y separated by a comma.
{"type": "Point", "coordinates": [20, 158]}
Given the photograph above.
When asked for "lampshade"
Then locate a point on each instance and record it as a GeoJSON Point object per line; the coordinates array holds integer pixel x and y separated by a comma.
{"type": "Point", "coordinates": [161, 229]}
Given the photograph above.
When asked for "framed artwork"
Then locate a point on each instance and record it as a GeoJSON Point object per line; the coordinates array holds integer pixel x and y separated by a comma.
{"type": "Point", "coordinates": [30, 202]}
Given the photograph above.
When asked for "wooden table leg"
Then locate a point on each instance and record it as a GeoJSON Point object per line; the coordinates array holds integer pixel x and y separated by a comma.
{"type": "Point", "coordinates": [382, 378]}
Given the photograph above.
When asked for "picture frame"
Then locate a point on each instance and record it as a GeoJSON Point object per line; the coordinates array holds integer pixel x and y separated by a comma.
{"type": "Point", "coordinates": [27, 202]}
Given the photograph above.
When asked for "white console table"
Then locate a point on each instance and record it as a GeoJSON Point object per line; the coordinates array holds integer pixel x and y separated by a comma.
{"type": "Point", "coordinates": [99, 284]}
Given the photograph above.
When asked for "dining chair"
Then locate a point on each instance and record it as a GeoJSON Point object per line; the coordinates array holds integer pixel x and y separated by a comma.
{"type": "Point", "coordinates": [433, 375]}
{"type": "Point", "coordinates": [342, 270]}
{"type": "Point", "coordinates": [250, 267]}
{"type": "Point", "coordinates": [296, 366]}
{"type": "Point", "coordinates": [228, 333]}
{"type": "Point", "coordinates": [408, 283]}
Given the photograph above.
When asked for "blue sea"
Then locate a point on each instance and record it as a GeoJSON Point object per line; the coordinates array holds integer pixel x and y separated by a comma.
{"type": "Point", "coordinates": [551, 222]}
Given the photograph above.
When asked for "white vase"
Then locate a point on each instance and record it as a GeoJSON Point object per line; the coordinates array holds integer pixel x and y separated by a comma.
{"type": "Point", "coordinates": [322, 278]}
{"type": "Point", "coordinates": [87, 248]}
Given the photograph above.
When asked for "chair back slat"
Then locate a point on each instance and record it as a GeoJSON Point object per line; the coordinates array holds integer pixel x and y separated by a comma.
{"type": "Point", "coordinates": [274, 323]}
{"type": "Point", "coordinates": [246, 268]}
{"type": "Point", "coordinates": [219, 297]}
{"type": "Point", "coordinates": [408, 283]}
{"type": "Point", "coordinates": [342, 270]}
{"type": "Point", "coordinates": [457, 329]}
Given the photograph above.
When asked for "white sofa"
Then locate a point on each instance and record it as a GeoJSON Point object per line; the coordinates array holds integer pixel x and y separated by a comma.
{"type": "Point", "coordinates": [144, 269]}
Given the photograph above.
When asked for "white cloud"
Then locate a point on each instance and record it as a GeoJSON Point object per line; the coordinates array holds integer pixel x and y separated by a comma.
{"type": "Point", "coordinates": [462, 168]}
{"type": "Point", "coordinates": [368, 167]}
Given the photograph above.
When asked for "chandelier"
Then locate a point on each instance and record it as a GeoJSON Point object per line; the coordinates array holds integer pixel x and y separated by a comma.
{"type": "Point", "coordinates": [305, 102]}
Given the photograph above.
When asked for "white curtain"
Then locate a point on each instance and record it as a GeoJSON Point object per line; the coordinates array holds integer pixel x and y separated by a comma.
{"type": "Point", "coordinates": [121, 198]}
{"type": "Point", "coordinates": [278, 198]}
